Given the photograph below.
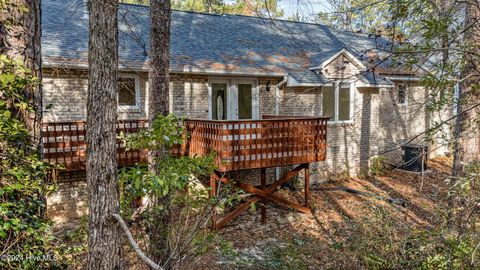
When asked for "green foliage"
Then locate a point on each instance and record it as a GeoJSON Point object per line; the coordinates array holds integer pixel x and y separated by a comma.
{"type": "Point", "coordinates": [465, 191]}
{"type": "Point", "coordinates": [377, 165]}
{"type": "Point", "coordinates": [174, 173]}
{"type": "Point", "coordinates": [274, 254]}
{"type": "Point", "coordinates": [262, 8]}
{"type": "Point", "coordinates": [23, 186]}
{"type": "Point", "coordinates": [387, 245]}
{"type": "Point", "coordinates": [174, 184]}
{"type": "Point", "coordinates": [71, 246]}
{"type": "Point", "coordinates": [369, 16]}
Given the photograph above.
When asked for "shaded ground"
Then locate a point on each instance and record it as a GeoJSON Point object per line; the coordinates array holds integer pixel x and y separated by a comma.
{"type": "Point", "coordinates": [332, 237]}
{"type": "Point", "coordinates": [347, 230]}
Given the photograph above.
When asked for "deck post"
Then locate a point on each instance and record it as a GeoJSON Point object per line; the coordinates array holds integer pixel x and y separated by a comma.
{"type": "Point", "coordinates": [213, 194]}
{"type": "Point", "coordinates": [263, 179]}
{"type": "Point", "coordinates": [307, 183]}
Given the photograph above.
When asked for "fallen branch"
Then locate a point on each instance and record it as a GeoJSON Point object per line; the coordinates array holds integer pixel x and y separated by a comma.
{"type": "Point", "coordinates": [134, 244]}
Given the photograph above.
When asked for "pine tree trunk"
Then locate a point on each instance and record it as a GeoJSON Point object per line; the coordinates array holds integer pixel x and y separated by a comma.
{"type": "Point", "coordinates": [467, 124]}
{"type": "Point", "coordinates": [158, 104]}
{"type": "Point", "coordinates": [159, 76]}
{"type": "Point", "coordinates": [20, 34]}
{"type": "Point", "coordinates": [103, 193]}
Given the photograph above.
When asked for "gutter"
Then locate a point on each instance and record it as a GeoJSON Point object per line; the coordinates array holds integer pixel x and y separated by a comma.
{"type": "Point", "coordinates": [403, 78]}
{"type": "Point", "coordinates": [195, 71]}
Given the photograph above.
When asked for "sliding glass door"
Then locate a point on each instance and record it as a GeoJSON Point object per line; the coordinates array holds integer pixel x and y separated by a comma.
{"type": "Point", "coordinates": [235, 99]}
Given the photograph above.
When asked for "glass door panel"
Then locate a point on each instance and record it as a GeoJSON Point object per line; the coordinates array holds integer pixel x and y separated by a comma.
{"type": "Point", "coordinates": [245, 101]}
{"type": "Point", "coordinates": [219, 101]}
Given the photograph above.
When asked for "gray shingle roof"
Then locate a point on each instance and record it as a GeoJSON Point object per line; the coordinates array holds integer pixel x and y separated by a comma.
{"type": "Point", "coordinates": [228, 43]}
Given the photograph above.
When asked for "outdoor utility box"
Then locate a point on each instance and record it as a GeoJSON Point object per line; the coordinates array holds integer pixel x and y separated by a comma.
{"type": "Point", "coordinates": [413, 156]}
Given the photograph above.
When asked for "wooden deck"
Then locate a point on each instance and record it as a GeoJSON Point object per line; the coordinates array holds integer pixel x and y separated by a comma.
{"type": "Point", "coordinates": [239, 144]}
{"type": "Point", "coordinates": [253, 144]}
{"type": "Point", "coordinates": [274, 141]}
{"type": "Point", "coordinates": [64, 143]}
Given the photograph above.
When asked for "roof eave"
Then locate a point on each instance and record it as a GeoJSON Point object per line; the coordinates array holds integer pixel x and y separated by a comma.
{"type": "Point", "coordinates": [196, 71]}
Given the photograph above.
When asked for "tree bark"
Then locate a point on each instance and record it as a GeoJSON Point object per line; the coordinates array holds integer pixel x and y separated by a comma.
{"type": "Point", "coordinates": [103, 192]}
{"type": "Point", "coordinates": [158, 104]}
{"type": "Point", "coordinates": [159, 76]}
{"type": "Point", "coordinates": [467, 124]}
{"type": "Point", "coordinates": [20, 34]}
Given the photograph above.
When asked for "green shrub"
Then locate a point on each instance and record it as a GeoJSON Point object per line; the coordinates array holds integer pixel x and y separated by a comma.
{"type": "Point", "coordinates": [23, 186]}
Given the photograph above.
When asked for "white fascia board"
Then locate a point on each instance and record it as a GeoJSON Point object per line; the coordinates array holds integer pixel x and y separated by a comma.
{"type": "Point", "coordinates": [348, 54]}
{"type": "Point", "coordinates": [403, 78]}
{"type": "Point", "coordinates": [362, 84]}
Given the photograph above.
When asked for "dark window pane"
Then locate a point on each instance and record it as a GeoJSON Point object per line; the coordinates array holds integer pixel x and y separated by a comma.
{"type": "Point", "coordinates": [126, 92]}
{"type": "Point", "coordinates": [329, 102]}
{"type": "Point", "coordinates": [245, 101]}
{"type": "Point", "coordinates": [344, 103]}
{"type": "Point", "coordinates": [219, 101]}
{"type": "Point", "coordinates": [402, 94]}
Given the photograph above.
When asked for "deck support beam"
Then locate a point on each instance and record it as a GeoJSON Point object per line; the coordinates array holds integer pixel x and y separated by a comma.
{"type": "Point", "coordinates": [262, 194]}
{"type": "Point", "coordinates": [263, 208]}
{"type": "Point", "coordinates": [307, 184]}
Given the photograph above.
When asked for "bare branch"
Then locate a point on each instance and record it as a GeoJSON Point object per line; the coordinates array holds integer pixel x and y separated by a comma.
{"type": "Point", "coordinates": [134, 244]}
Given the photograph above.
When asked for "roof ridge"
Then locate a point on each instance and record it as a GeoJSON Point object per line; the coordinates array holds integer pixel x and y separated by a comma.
{"type": "Point", "coordinates": [253, 17]}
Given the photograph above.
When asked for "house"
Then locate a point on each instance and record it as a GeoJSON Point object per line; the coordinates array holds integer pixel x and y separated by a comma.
{"type": "Point", "coordinates": [240, 67]}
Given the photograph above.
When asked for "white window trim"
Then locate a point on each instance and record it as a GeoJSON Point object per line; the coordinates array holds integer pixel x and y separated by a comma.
{"type": "Point", "coordinates": [405, 104]}
{"type": "Point", "coordinates": [336, 85]}
{"type": "Point", "coordinates": [232, 96]}
{"type": "Point", "coordinates": [137, 93]}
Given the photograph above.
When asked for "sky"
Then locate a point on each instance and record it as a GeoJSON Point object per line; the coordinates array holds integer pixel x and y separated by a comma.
{"type": "Point", "coordinates": [309, 7]}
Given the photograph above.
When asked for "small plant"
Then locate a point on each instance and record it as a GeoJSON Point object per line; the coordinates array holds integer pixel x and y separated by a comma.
{"type": "Point", "coordinates": [377, 165]}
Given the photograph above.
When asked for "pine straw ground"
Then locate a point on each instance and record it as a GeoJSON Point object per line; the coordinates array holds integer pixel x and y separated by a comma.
{"type": "Point", "coordinates": [346, 231]}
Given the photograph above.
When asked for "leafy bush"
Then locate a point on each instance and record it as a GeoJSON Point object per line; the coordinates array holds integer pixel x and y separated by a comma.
{"type": "Point", "coordinates": [175, 178]}
{"type": "Point", "coordinates": [23, 186]}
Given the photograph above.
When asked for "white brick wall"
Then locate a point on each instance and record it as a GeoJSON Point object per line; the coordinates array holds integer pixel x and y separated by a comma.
{"type": "Point", "coordinates": [379, 124]}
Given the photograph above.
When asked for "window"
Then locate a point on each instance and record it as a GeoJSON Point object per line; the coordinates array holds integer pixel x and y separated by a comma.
{"type": "Point", "coordinates": [128, 91]}
{"type": "Point", "coordinates": [402, 94]}
{"type": "Point", "coordinates": [337, 102]}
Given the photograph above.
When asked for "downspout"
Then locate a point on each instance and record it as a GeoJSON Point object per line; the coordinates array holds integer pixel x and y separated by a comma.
{"type": "Point", "coordinates": [277, 112]}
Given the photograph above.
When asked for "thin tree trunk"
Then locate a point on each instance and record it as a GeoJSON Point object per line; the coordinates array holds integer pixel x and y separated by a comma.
{"type": "Point", "coordinates": [20, 33]}
{"type": "Point", "coordinates": [159, 77]}
{"type": "Point", "coordinates": [103, 193]}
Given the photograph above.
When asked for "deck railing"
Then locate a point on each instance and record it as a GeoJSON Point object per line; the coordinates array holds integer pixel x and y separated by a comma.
{"type": "Point", "coordinates": [238, 144]}
{"type": "Point", "coordinates": [249, 144]}
{"type": "Point", "coordinates": [64, 143]}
